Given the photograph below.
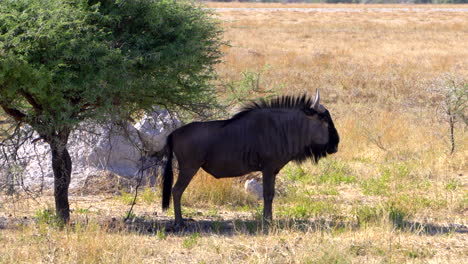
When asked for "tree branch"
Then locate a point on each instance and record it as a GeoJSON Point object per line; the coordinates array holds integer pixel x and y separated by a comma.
{"type": "Point", "coordinates": [14, 113]}
{"type": "Point", "coordinates": [31, 100]}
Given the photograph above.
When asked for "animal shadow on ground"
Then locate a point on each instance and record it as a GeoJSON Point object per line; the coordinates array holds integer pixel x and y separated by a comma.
{"type": "Point", "coordinates": [146, 226]}
{"type": "Point", "coordinates": [429, 228]}
{"type": "Point", "coordinates": [254, 227]}
{"type": "Point", "coordinates": [222, 227]}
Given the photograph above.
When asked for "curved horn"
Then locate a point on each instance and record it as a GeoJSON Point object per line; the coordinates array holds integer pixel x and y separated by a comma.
{"type": "Point", "coordinates": [316, 104]}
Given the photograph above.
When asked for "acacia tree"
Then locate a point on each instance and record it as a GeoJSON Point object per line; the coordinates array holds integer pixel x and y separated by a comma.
{"type": "Point", "coordinates": [64, 62]}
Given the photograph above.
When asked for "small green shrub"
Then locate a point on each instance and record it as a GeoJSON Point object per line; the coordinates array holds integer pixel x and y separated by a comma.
{"type": "Point", "coordinates": [217, 227]}
{"type": "Point", "coordinates": [397, 216]}
{"type": "Point", "coordinates": [368, 214]}
{"type": "Point", "coordinates": [298, 211]}
{"type": "Point", "coordinates": [127, 198]}
{"type": "Point", "coordinates": [397, 172]}
{"type": "Point", "coordinates": [243, 208]}
{"type": "Point", "coordinates": [190, 212]}
{"type": "Point", "coordinates": [161, 234]}
{"type": "Point", "coordinates": [148, 195]}
{"type": "Point", "coordinates": [130, 215]}
{"type": "Point", "coordinates": [191, 241]}
{"type": "Point", "coordinates": [308, 208]}
{"type": "Point", "coordinates": [324, 190]}
{"type": "Point", "coordinates": [402, 170]}
{"type": "Point", "coordinates": [398, 212]}
{"type": "Point", "coordinates": [213, 212]}
{"type": "Point", "coordinates": [248, 87]}
{"type": "Point", "coordinates": [47, 217]}
{"type": "Point", "coordinates": [295, 172]}
{"type": "Point", "coordinates": [377, 186]}
{"type": "Point", "coordinates": [82, 211]}
{"type": "Point", "coordinates": [335, 172]}
{"type": "Point", "coordinates": [453, 184]}
{"type": "Point", "coordinates": [43, 215]}
{"type": "Point", "coordinates": [258, 214]}
{"type": "Point", "coordinates": [463, 203]}
{"type": "Point", "coordinates": [410, 204]}
{"type": "Point", "coordinates": [329, 191]}
{"type": "Point", "coordinates": [420, 253]}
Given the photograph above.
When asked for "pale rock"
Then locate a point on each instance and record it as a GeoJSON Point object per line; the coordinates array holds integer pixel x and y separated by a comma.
{"type": "Point", "coordinates": [254, 187]}
{"type": "Point", "coordinates": [154, 128]}
{"type": "Point", "coordinates": [94, 148]}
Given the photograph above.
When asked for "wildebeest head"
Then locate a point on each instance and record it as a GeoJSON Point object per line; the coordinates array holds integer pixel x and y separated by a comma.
{"type": "Point", "coordinates": [318, 113]}
{"type": "Point", "coordinates": [310, 118]}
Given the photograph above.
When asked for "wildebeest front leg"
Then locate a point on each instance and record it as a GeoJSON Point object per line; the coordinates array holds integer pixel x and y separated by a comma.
{"type": "Point", "coordinates": [185, 176]}
{"type": "Point", "coordinates": [268, 195]}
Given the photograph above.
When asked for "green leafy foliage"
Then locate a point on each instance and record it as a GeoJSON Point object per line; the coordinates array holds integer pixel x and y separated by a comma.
{"type": "Point", "coordinates": [66, 61]}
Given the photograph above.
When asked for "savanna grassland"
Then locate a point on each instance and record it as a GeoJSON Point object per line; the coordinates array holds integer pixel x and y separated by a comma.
{"type": "Point", "coordinates": [393, 193]}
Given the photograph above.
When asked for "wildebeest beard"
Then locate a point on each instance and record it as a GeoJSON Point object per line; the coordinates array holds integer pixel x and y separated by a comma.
{"type": "Point", "coordinates": [316, 151]}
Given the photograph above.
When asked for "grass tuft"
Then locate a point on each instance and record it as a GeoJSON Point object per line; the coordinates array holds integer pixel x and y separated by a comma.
{"type": "Point", "coordinates": [335, 172]}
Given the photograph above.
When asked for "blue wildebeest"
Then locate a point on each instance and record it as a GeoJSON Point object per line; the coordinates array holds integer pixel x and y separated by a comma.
{"type": "Point", "coordinates": [264, 137]}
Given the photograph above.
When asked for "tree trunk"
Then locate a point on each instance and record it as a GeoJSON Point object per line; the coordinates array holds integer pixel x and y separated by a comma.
{"type": "Point", "coordinates": [62, 167]}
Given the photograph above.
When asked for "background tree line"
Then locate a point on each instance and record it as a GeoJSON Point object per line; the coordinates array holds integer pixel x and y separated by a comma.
{"type": "Point", "coordinates": [357, 1]}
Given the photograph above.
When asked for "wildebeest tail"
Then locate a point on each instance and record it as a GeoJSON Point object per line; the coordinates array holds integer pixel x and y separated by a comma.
{"type": "Point", "coordinates": [168, 175]}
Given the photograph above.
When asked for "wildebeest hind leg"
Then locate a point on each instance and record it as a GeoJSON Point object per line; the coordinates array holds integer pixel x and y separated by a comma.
{"type": "Point", "coordinates": [185, 176]}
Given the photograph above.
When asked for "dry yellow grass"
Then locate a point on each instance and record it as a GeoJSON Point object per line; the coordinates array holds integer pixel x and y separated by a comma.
{"type": "Point", "coordinates": [374, 70]}
{"type": "Point", "coordinates": [363, 246]}
{"type": "Point", "coordinates": [377, 55]}
{"type": "Point", "coordinates": [95, 238]}
{"type": "Point", "coordinates": [392, 193]}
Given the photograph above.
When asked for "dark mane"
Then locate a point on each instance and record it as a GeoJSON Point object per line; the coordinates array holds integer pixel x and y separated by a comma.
{"type": "Point", "coordinates": [283, 102]}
